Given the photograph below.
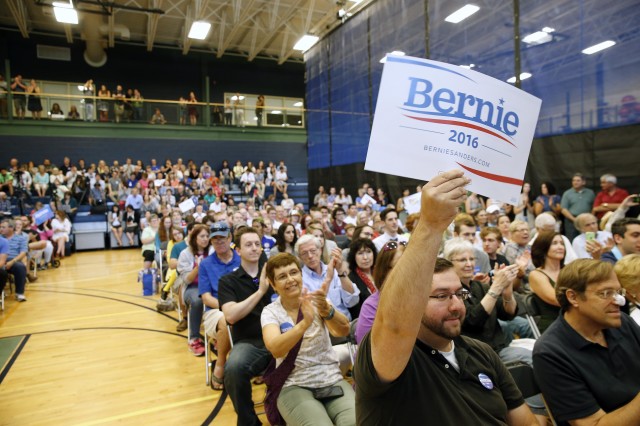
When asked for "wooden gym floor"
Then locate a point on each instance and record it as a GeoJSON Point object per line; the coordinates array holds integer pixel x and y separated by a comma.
{"type": "Point", "coordinates": [88, 349]}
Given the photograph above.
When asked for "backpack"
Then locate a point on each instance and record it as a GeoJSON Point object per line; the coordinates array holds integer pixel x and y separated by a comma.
{"type": "Point", "coordinates": [149, 279]}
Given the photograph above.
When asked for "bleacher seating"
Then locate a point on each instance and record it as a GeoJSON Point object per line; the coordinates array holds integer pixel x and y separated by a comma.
{"type": "Point", "coordinates": [89, 229]}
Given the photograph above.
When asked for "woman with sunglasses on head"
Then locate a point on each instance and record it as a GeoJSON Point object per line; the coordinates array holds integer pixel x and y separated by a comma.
{"type": "Point", "coordinates": [385, 261]}
{"type": "Point", "coordinates": [627, 270]}
{"type": "Point", "coordinates": [547, 254]}
{"type": "Point", "coordinates": [296, 328]}
{"type": "Point", "coordinates": [361, 258]}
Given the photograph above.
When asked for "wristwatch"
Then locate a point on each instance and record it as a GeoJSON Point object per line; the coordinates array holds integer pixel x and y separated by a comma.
{"type": "Point", "coordinates": [493, 294]}
{"type": "Point", "coordinates": [342, 275]}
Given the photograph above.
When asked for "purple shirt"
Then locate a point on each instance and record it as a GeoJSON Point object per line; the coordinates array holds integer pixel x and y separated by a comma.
{"type": "Point", "coordinates": [367, 315]}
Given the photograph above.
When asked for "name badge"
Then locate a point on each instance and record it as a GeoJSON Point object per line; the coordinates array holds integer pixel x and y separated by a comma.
{"type": "Point", "coordinates": [485, 381]}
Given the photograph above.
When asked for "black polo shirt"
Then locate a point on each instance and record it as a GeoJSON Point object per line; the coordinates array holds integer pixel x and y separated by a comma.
{"type": "Point", "coordinates": [500, 260]}
{"type": "Point", "coordinates": [431, 391]}
{"type": "Point", "coordinates": [236, 287]}
{"type": "Point", "coordinates": [481, 325]}
{"type": "Point", "coordinates": [578, 377]}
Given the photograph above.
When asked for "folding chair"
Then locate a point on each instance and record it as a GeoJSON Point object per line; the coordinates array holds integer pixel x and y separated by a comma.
{"type": "Point", "coordinates": [525, 380]}
{"type": "Point", "coordinates": [532, 311]}
{"type": "Point", "coordinates": [255, 404]}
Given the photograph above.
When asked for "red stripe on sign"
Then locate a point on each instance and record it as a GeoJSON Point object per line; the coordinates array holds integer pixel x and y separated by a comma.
{"type": "Point", "coordinates": [462, 124]}
{"type": "Point", "coordinates": [491, 176]}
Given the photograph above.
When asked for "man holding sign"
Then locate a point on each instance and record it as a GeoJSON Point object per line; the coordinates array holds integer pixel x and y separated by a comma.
{"type": "Point", "coordinates": [414, 364]}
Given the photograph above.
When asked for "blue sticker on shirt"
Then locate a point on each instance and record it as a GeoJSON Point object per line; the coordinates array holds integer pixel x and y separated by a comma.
{"type": "Point", "coordinates": [274, 296]}
{"type": "Point", "coordinates": [485, 381]}
{"type": "Point", "coordinates": [284, 327]}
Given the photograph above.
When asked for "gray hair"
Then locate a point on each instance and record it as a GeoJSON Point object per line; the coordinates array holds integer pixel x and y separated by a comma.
{"type": "Point", "coordinates": [608, 177]}
{"type": "Point", "coordinates": [304, 240]}
{"type": "Point", "coordinates": [455, 246]}
{"type": "Point", "coordinates": [545, 219]}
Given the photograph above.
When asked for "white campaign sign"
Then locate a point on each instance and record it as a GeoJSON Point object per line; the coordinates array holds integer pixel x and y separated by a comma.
{"type": "Point", "coordinates": [432, 117]}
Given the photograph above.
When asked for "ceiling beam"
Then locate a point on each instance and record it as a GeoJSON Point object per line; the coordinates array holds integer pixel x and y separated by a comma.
{"type": "Point", "coordinates": [111, 23]}
{"type": "Point", "coordinates": [152, 24]}
{"type": "Point", "coordinates": [274, 31]}
{"type": "Point", "coordinates": [248, 11]}
{"type": "Point", "coordinates": [68, 33]}
{"type": "Point", "coordinates": [19, 13]}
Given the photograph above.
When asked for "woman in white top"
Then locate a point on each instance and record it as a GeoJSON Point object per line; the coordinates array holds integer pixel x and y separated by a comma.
{"type": "Point", "coordinates": [343, 199]}
{"type": "Point", "coordinates": [115, 220]}
{"type": "Point", "coordinates": [315, 371]}
{"type": "Point", "coordinates": [61, 228]}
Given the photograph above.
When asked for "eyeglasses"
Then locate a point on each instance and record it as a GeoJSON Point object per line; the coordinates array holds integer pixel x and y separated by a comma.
{"type": "Point", "coordinates": [444, 297]}
{"type": "Point", "coordinates": [610, 293]}
{"type": "Point", "coordinates": [292, 274]}
{"type": "Point", "coordinates": [470, 260]}
{"type": "Point", "coordinates": [392, 245]}
{"type": "Point", "coordinates": [522, 230]}
{"type": "Point", "coordinates": [308, 253]}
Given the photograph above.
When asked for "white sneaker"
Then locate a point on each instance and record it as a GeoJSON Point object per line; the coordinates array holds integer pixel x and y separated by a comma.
{"type": "Point", "coordinates": [21, 298]}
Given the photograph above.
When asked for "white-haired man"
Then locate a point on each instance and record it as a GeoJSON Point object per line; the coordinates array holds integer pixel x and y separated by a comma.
{"type": "Point", "coordinates": [591, 243]}
{"type": "Point", "coordinates": [546, 222]}
{"type": "Point", "coordinates": [610, 198]}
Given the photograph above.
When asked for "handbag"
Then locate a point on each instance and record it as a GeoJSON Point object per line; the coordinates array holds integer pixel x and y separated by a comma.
{"type": "Point", "coordinates": [274, 378]}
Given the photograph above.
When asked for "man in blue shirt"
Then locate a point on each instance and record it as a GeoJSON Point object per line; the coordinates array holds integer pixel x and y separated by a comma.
{"type": "Point", "coordinates": [134, 200]}
{"type": "Point", "coordinates": [17, 251]}
{"type": "Point", "coordinates": [4, 251]}
{"type": "Point", "coordinates": [223, 261]}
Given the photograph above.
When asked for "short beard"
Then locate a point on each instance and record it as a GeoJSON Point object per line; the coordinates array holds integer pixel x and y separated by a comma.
{"type": "Point", "coordinates": [437, 327]}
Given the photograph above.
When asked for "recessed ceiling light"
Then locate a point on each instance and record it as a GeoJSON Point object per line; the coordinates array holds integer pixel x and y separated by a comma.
{"type": "Point", "coordinates": [276, 111]}
{"type": "Point", "coordinates": [199, 30]}
{"type": "Point", "coordinates": [65, 13]}
{"type": "Point", "coordinates": [523, 76]}
{"type": "Point", "coordinates": [306, 42]}
{"type": "Point", "coordinates": [461, 14]}
{"type": "Point", "coordinates": [598, 47]}
{"type": "Point", "coordinates": [539, 37]}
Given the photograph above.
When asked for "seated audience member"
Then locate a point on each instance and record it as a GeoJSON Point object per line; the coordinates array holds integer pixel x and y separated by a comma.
{"type": "Point", "coordinates": [16, 254]}
{"type": "Point", "coordinates": [626, 235]}
{"type": "Point", "coordinates": [391, 228]}
{"type": "Point", "coordinates": [326, 246]}
{"type": "Point", "coordinates": [285, 240]}
{"type": "Point", "coordinates": [385, 262]}
{"type": "Point", "coordinates": [222, 261]}
{"type": "Point", "coordinates": [547, 201]}
{"type": "Point", "coordinates": [627, 270]}
{"type": "Point", "coordinates": [620, 212]}
{"type": "Point", "coordinates": [466, 229]}
{"type": "Point", "coordinates": [131, 224]}
{"type": "Point", "coordinates": [591, 243]}
{"type": "Point", "coordinates": [485, 307]}
{"type": "Point", "coordinates": [4, 251]}
{"type": "Point", "coordinates": [157, 117]}
{"type": "Point", "coordinates": [610, 198]}
{"type": "Point", "coordinates": [297, 327]}
{"type": "Point", "coordinates": [546, 222]}
{"type": "Point", "coordinates": [587, 362]}
{"type": "Point", "coordinates": [491, 243]}
{"type": "Point", "coordinates": [338, 224]}
{"type": "Point", "coordinates": [362, 257]}
{"type": "Point", "coordinates": [517, 251]}
{"type": "Point", "coordinates": [414, 364]}
{"type": "Point", "coordinates": [56, 113]}
{"type": "Point", "coordinates": [342, 293]}
{"type": "Point", "coordinates": [199, 248]}
{"type": "Point", "coordinates": [243, 294]}
{"type": "Point", "coordinates": [61, 227]}
{"type": "Point", "coordinates": [268, 242]}
{"type": "Point", "coordinates": [73, 115]}
{"type": "Point", "coordinates": [547, 255]}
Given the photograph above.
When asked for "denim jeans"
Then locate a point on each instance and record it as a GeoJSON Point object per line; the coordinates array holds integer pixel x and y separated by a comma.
{"type": "Point", "coordinates": [194, 302]}
{"type": "Point", "coordinates": [19, 272]}
{"type": "Point", "coordinates": [517, 325]}
{"type": "Point", "coordinates": [245, 361]}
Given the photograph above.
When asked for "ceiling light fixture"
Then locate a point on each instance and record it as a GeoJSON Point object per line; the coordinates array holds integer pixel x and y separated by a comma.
{"type": "Point", "coordinates": [65, 13]}
{"type": "Point", "coordinates": [275, 111]}
{"type": "Point", "coordinates": [598, 47]}
{"type": "Point", "coordinates": [461, 14]}
{"type": "Point", "coordinates": [539, 37]}
{"type": "Point", "coordinates": [199, 30]}
{"type": "Point", "coordinates": [297, 104]}
{"type": "Point", "coordinates": [395, 53]}
{"type": "Point", "coordinates": [306, 42]}
{"type": "Point", "coordinates": [523, 76]}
